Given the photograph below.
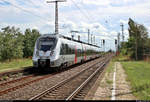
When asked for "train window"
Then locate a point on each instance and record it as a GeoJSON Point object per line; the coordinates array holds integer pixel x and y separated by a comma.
{"type": "Point", "coordinates": [45, 47]}
{"type": "Point", "coordinates": [66, 49]}
{"type": "Point", "coordinates": [62, 50]}
{"type": "Point", "coordinates": [79, 52]}
{"type": "Point", "coordinates": [69, 50]}
{"type": "Point", "coordinates": [72, 51]}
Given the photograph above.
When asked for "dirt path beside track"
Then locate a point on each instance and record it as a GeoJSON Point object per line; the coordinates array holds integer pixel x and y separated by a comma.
{"type": "Point", "coordinates": [122, 89]}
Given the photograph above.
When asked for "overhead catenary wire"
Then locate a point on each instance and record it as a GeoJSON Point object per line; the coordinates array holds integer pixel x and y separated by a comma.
{"type": "Point", "coordinates": [29, 12]}
{"type": "Point", "coordinates": [82, 12]}
{"type": "Point", "coordinates": [89, 13]}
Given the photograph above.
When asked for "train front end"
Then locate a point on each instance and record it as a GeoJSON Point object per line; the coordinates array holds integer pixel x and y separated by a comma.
{"type": "Point", "coordinates": [44, 52]}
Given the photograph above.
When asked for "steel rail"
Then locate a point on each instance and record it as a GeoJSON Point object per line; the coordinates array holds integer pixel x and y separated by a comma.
{"type": "Point", "coordinates": [16, 80]}
{"type": "Point", "coordinates": [74, 93]}
{"type": "Point", "coordinates": [22, 85]}
{"type": "Point", "coordinates": [6, 73]}
{"type": "Point", "coordinates": [61, 83]}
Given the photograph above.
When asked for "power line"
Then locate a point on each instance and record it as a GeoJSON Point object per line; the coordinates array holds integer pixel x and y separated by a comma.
{"type": "Point", "coordinates": [43, 18]}
{"type": "Point", "coordinates": [87, 12]}
{"type": "Point", "coordinates": [32, 3]}
{"type": "Point", "coordinates": [83, 13]}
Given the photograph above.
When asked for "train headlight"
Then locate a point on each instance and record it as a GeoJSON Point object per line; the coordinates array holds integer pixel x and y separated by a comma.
{"type": "Point", "coordinates": [37, 53]}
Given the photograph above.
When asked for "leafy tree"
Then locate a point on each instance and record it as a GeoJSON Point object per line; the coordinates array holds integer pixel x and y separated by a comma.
{"type": "Point", "coordinates": [147, 48]}
{"type": "Point", "coordinates": [29, 41]}
{"type": "Point", "coordinates": [11, 43]}
{"type": "Point", "coordinates": [1, 38]}
{"type": "Point", "coordinates": [138, 37]}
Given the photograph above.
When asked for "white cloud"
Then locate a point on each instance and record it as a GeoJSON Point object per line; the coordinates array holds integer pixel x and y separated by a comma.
{"type": "Point", "coordinates": [97, 2]}
{"type": "Point", "coordinates": [149, 28]}
{"type": "Point", "coordinates": [123, 21]}
{"type": "Point", "coordinates": [113, 33]}
{"type": "Point", "coordinates": [35, 27]}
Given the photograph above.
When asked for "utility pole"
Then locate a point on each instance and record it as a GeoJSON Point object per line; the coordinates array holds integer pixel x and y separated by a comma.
{"type": "Point", "coordinates": [118, 41]}
{"type": "Point", "coordinates": [94, 40]}
{"type": "Point", "coordinates": [88, 36]}
{"type": "Point", "coordinates": [91, 38]}
{"type": "Point", "coordinates": [103, 44]}
{"type": "Point", "coordinates": [122, 27]}
{"type": "Point", "coordinates": [116, 46]}
{"type": "Point", "coordinates": [74, 31]}
{"type": "Point", "coordinates": [56, 13]}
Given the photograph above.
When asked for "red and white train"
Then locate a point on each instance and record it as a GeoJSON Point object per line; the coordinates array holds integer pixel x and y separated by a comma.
{"type": "Point", "coordinates": [56, 50]}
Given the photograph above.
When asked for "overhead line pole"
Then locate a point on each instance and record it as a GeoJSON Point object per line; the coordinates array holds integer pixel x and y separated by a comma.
{"type": "Point", "coordinates": [122, 26]}
{"type": "Point", "coordinates": [91, 38]}
{"type": "Point", "coordinates": [56, 14]}
{"type": "Point", "coordinates": [118, 37]}
{"type": "Point", "coordinates": [88, 36]}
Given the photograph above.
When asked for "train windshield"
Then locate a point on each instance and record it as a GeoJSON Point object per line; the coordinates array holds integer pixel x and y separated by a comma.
{"type": "Point", "coordinates": [46, 44]}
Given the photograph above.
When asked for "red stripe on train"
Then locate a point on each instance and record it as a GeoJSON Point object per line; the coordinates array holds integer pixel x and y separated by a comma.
{"type": "Point", "coordinates": [75, 59]}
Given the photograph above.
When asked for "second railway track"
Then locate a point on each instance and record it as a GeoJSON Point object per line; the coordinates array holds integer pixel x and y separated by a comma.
{"type": "Point", "coordinates": [19, 83]}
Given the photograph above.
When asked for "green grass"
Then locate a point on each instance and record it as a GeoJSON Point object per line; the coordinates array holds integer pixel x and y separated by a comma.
{"type": "Point", "coordinates": [121, 58]}
{"type": "Point", "coordinates": [114, 59]}
{"type": "Point", "coordinates": [110, 69]}
{"type": "Point", "coordinates": [15, 64]}
{"type": "Point", "coordinates": [110, 66]}
{"type": "Point", "coordinates": [138, 73]}
{"type": "Point", "coordinates": [109, 81]}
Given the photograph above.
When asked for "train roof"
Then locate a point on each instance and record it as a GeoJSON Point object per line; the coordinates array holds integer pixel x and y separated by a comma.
{"type": "Point", "coordinates": [68, 38]}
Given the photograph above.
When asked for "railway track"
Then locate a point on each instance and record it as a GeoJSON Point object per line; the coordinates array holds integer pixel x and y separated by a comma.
{"type": "Point", "coordinates": [19, 83]}
{"type": "Point", "coordinates": [13, 85]}
{"type": "Point", "coordinates": [71, 88]}
{"type": "Point", "coordinates": [8, 73]}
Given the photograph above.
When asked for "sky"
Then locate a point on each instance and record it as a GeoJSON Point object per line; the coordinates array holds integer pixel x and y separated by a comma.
{"type": "Point", "coordinates": [102, 17]}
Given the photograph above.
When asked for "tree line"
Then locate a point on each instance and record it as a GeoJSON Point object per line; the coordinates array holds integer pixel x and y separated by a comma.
{"type": "Point", "coordinates": [14, 44]}
{"type": "Point", "coordinates": [138, 43]}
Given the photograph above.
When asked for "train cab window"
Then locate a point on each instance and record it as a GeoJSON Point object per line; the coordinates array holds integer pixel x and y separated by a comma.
{"type": "Point", "coordinates": [46, 43]}
{"type": "Point", "coordinates": [45, 47]}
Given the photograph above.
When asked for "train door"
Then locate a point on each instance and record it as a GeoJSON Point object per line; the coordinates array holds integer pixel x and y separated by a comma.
{"type": "Point", "coordinates": [75, 58]}
{"type": "Point", "coordinates": [82, 51]}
